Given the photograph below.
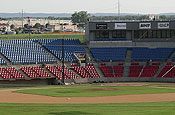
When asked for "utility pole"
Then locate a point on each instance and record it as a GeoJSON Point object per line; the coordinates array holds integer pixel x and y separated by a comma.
{"type": "Point", "coordinates": [63, 77]}
{"type": "Point", "coordinates": [29, 26]}
{"type": "Point", "coordinates": [118, 9]}
{"type": "Point", "coordinates": [22, 18]}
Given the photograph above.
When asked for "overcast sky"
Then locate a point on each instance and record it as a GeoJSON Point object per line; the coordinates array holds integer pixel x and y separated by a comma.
{"type": "Point", "coordinates": [92, 6]}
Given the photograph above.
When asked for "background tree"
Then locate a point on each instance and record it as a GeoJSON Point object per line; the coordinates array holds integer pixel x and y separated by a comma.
{"type": "Point", "coordinates": [80, 18]}
{"type": "Point", "coordinates": [26, 25]}
{"type": "Point", "coordinates": [17, 30]}
{"type": "Point", "coordinates": [12, 27]}
{"type": "Point", "coordinates": [37, 25]}
{"type": "Point", "coordinates": [47, 25]}
{"type": "Point", "coordinates": [4, 29]}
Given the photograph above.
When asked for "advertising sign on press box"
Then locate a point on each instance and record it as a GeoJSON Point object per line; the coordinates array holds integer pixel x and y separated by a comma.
{"type": "Point", "coordinates": [120, 26]}
{"type": "Point", "coordinates": [163, 25]}
{"type": "Point", "coordinates": [145, 26]}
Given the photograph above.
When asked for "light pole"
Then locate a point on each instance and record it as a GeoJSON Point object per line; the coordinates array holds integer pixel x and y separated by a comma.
{"type": "Point", "coordinates": [29, 26]}
{"type": "Point", "coordinates": [63, 77]}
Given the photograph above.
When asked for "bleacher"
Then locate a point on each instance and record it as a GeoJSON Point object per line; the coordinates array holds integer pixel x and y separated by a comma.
{"type": "Point", "coordinates": [35, 72]}
{"type": "Point", "coordinates": [10, 73]}
{"type": "Point", "coordinates": [112, 71]}
{"type": "Point", "coordinates": [146, 54]}
{"type": "Point", "coordinates": [57, 72]}
{"type": "Point", "coordinates": [88, 71]}
{"type": "Point", "coordinates": [109, 53]}
{"type": "Point", "coordinates": [149, 71]}
{"type": "Point", "coordinates": [168, 71]}
{"type": "Point", "coordinates": [135, 69]}
{"type": "Point", "coordinates": [71, 46]}
{"type": "Point", "coordinates": [24, 52]}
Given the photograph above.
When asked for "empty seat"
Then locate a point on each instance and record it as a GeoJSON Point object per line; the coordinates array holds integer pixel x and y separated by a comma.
{"type": "Point", "coordinates": [109, 53]}
{"type": "Point", "coordinates": [71, 46]}
{"type": "Point", "coordinates": [146, 54]}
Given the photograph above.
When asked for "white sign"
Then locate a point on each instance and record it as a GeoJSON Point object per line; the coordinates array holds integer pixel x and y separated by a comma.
{"type": "Point", "coordinates": [164, 25]}
{"type": "Point", "coordinates": [145, 26]}
{"type": "Point", "coordinates": [120, 26]}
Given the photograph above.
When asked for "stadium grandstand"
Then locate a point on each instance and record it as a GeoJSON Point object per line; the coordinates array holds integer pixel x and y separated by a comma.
{"type": "Point", "coordinates": [112, 52]}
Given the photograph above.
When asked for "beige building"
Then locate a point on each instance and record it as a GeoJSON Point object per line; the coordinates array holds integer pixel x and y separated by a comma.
{"type": "Point", "coordinates": [2, 25]}
{"type": "Point", "coordinates": [18, 23]}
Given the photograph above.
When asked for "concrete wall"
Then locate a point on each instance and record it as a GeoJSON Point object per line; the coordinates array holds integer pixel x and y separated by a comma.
{"type": "Point", "coordinates": [131, 44]}
{"type": "Point", "coordinates": [125, 79]}
{"type": "Point", "coordinates": [23, 83]}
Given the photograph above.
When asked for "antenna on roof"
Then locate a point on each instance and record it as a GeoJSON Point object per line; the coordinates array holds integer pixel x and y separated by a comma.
{"type": "Point", "coordinates": [22, 18]}
{"type": "Point", "coordinates": [118, 9]}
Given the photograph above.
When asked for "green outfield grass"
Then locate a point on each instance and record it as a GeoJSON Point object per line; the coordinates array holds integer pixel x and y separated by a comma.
{"type": "Point", "coordinates": [160, 108]}
{"type": "Point", "coordinates": [44, 36]}
{"type": "Point", "coordinates": [154, 108]}
{"type": "Point", "coordinates": [83, 91]}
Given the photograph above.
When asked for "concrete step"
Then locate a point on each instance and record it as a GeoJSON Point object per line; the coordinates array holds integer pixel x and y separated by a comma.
{"type": "Point", "coordinates": [5, 59]}
{"type": "Point", "coordinates": [52, 76]}
{"type": "Point", "coordinates": [58, 61]}
{"type": "Point", "coordinates": [171, 56]}
{"type": "Point", "coordinates": [162, 65]}
{"type": "Point", "coordinates": [97, 66]}
{"type": "Point", "coordinates": [89, 56]}
{"type": "Point", "coordinates": [22, 73]}
{"type": "Point", "coordinates": [128, 55]}
{"type": "Point", "coordinates": [126, 69]}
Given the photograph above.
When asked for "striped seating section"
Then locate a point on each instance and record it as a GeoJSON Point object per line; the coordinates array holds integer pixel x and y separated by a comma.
{"type": "Point", "coordinates": [135, 70]}
{"type": "Point", "coordinates": [71, 46]}
{"type": "Point", "coordinates": [10, 73]}
{"type": "Point", "coordinates": [35, 72]}
{"type": "Point", "coordinates": [112, 71]}
{"type": "Point", "coordinates": [24, 52]}
{"type": "Point", "coordinates": [109, 53]}
{"type": "Point", "coordinates": [149, 71]}
{"type": "Point", "coordinates": [168, 71]}
{"type": "Point", "coordinates": [88, 71]}
{"type": "Point", "coordinates": [57, 71]}
{"type": "Point", "coordinates": [140, 54]}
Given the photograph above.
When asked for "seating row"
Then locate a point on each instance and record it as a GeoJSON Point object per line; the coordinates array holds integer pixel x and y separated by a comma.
{"type": "Point", "coordinates": [138, 54]}
{"type": "Point", "coordinates": [57, 71]}
{"type": "Point", "coordinates": [112, 71]}
{"type": "Point", "coordinates": [35, 72]}
{"type": "Point", "coordinates": [88, 71]}
{"type": "Point", "coordinates": [24, 52]}
{"type": "Point", "coordinates": [10, 73]}
{"type": "Point", "coordinates": [71, 46]}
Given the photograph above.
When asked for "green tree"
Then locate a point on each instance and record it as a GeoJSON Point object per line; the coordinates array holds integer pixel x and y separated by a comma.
{"type": "Point", "coordinates": [47, 25]}
{"type": "Point", "coordinates": [12, 26]}
{"type": "Point", "coordinates": [17, 30]}
{"type": "Point", "coordinates": [26, 25]}
{"type": "Point", "coordinates": [37, 25]}
{"type": "Point", "coordinates": [80, 18]}
{"type": "Point", "coordinates": [3, 29]}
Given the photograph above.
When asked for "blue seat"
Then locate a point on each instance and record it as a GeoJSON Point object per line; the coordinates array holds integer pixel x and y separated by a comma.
{"type": "Point", "coordinates": [71, 46]}
{"type": "Point", "coordinates": [145, 54]}
{"type": "Point", "coordinates": [109, 53]}
{"type": "Point", "coordinates": [24, 52]}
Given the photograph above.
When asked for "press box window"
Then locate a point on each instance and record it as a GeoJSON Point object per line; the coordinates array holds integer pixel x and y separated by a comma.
{"type": "Point", "coordinates": [102, 34]}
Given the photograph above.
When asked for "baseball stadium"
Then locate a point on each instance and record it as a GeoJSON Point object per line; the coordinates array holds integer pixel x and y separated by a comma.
{"type": "Point", "coordinates": [116, 67]}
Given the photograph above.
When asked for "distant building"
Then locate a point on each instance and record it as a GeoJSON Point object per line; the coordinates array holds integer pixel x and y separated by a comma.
{"type": "Point", "coordinates": [52, 28]}
{"type": "Point", "coordinates": [6, 26]}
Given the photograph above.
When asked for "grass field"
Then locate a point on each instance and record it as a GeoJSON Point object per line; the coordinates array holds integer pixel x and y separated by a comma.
{"type": "Point", "coordinates": [161, 108]}
{"type": "Point", "coordinates": [44, 36]}
{"type": "Point", "coordinates": [88, 91]}
{"type": "Point", "coordinates": [156, 108]}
